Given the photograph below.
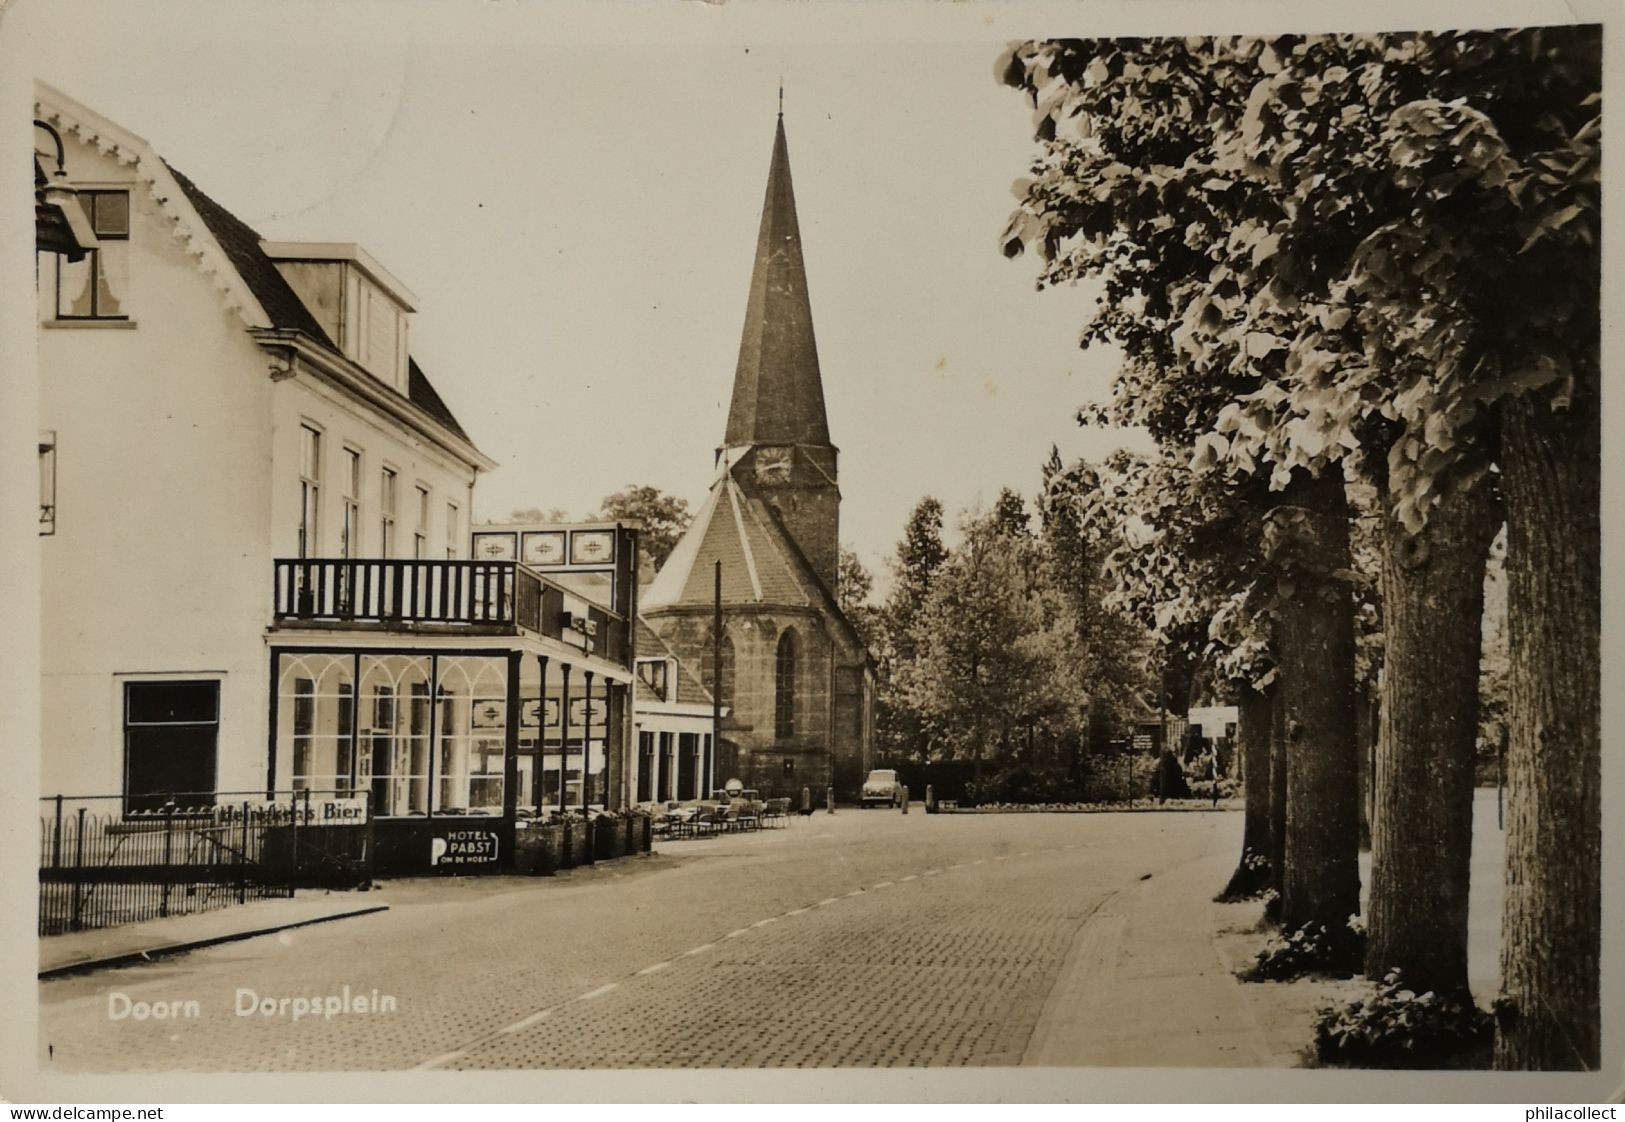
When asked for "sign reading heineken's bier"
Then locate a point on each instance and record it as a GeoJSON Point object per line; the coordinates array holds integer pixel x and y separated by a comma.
{"type": "Point", "coordinates": [294, 810]}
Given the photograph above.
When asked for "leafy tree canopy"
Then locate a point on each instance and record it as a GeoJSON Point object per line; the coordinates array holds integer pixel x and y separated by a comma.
{"type": "Point", "coordinates": [1317, 245]}
{"type": "Point", "coordinates": [663, 518]}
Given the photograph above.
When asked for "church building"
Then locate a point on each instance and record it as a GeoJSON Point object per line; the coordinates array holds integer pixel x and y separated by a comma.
{"type": "Point", "coordinates": [797, 683]}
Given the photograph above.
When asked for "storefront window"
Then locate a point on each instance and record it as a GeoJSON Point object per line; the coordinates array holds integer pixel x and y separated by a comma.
{"type": "Point", "coordinates": [394, 733]}
{"type": "Point", "coordinates": [316, 723]}
{"type": "Point", "coordinates": [418, 734]}
{"type": "Point", "coordinates": [471, 735]}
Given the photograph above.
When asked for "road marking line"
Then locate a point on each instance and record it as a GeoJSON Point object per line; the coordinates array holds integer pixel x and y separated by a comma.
{"type": "Point", "coordinates": [821, 903]}
{"type": "Point", "coordinates": [882, 884]}
{"type": "Point", "coordinates": [1002, 857]}
{"type": "Point", "coordinates": [911, 876]}
{"type": "Point", "coordinates": [801, 911]}
{"type": "Point", "coordinates": [856, 892]}
{"type": "Point", "coordinates": [980, 861]}
{"type": "Point", "coordinates": [656, 968]}
{"type": "Point", "coordinates": [600, 991]}
{"type": "Point", "coordinates": [699, 950]}
{"type": "Point", "coordinates": [930, 872]}
{"type": "Point", "coordinates": [521, 1026]}
{"type": "Point", "coordinates": [736, 934]}
{"type": "Point", "coordinates": [765, 922]}
{"type": "Point", "coordinates": [1028, 853]}
{"type": "Point", "coordinates": [449, 1057]}
{"type": "Point", "coordinates": [951, 868]}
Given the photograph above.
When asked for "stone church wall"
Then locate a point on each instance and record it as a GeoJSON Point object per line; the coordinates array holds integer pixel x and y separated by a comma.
{"type": "Point", "coordinates": [762, 758]}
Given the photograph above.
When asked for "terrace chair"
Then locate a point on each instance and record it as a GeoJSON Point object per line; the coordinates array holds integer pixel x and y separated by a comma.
{"type": "Point", "coordinates": [704, 823]}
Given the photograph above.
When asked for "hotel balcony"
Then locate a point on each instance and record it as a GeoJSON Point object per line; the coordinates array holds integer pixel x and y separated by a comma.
{"type": "Point", "coordinates": [440, 598]}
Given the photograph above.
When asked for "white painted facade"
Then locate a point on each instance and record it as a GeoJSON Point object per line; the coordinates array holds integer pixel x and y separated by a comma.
{"type": "Point", "coordinates": [179, 437]}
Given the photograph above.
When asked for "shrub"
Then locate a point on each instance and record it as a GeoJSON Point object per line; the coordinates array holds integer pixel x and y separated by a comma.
{"type": "Point", "coordinates": [1311, 949]}
{"type": "Point", "coordinates": [1395, 1027]}
{"type": "Point", "coordinates": [1023, 783]}
{"type": "Point", "coordinates": [1203, 789]}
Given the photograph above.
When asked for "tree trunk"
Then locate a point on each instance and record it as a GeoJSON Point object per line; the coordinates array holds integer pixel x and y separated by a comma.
{"type": "Point", "coordinates": [1277, 781]}
{"type": "Point", "coordinates": [1549, 1014]}
{"type": "Point", "coordinates": [1365, 751]}
{"type": "Point", "coordinates": [1252, 875]}
{"type": "Point", "coordinates": [1421, 844]}
{"type": "Point", "coordinates": [1315, 643]}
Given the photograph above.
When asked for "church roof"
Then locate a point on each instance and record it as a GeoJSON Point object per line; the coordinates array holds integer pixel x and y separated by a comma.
{"type": "Point", "coordinates": [758, 561]}
{"type": "Point", "coordinates": [778, 396]}
{"type": "Point", "coordinates": [761, 564]}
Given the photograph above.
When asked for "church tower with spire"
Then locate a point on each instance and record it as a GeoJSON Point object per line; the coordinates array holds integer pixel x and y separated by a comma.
{"type": "Point", "coordinates": [777, 440]}
{"type": "Point", "coordinates": [797, 682]}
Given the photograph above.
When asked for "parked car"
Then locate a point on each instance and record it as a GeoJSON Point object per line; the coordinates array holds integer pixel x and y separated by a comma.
{"type": "Point", "coordinates": [881, 789]}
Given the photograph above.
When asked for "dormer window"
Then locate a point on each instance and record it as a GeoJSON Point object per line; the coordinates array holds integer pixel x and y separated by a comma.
{"type": "Point", "coordinates": [361, 307]}
{"type": "Point", "coordinates": [94, 287]}
{"type": "Point", "coordinates": [655, 676]}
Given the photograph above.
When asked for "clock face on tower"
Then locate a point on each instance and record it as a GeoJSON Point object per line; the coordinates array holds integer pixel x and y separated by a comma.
{"type": "Point", "coordinates": [773, 465]}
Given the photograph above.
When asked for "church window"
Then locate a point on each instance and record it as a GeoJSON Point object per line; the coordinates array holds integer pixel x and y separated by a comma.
{"type": "Point", "coordinates": [784, 687]}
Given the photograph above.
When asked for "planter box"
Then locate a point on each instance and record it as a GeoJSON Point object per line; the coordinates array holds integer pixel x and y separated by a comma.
{"type": "Point", "coordinates": [538, 850]}
{"type": "Point", "coordinates": [577, 844]}
{"type": "Point", "coordinates": [609, 838]}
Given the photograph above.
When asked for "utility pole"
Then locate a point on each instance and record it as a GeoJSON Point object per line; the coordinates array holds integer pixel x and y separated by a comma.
{"type": "Point", "coordinates": [716, 675]}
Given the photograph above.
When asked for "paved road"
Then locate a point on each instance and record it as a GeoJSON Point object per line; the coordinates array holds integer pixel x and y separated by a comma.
{"type": "Point", "coordinates": [862, 938]}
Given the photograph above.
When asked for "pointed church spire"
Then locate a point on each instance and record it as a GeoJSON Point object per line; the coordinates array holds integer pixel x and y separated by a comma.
{"type": "Point", "coordinates": [778, 395]}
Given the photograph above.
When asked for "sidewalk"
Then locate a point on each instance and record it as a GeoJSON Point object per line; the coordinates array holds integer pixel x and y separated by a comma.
{"type": "Point", "coordinates": [1150, 982]}
{"type": "Point", "coordinates": [118, 946]}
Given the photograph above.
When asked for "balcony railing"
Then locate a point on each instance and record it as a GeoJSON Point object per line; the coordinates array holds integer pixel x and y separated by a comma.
{"type": "Point", "coordinates": [498, 595]}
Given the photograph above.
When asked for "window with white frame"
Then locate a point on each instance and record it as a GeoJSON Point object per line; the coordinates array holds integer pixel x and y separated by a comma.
{"type": "Point", "coordinates": [420, 533]}
{"type": "Point", "coordinates": [453, 528]}
{"type": "Point", "coordinates": [386, 504]}
{"type": "Point", "coordinates": [655, 674]}
{"type": "Point", "coordinates": [93, 288]}
{"type": "Point", "coordinates": [350, 530]}
{"type": "Point", "coordinates": [310, 490]}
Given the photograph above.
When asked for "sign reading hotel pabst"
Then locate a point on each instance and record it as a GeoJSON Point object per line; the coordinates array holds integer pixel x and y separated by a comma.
{"type": "Point", "coordinates": [464, 847]}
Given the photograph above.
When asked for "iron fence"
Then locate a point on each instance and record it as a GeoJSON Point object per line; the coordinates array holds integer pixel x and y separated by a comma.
{"type": "Point", "coordinates": [103, 864]}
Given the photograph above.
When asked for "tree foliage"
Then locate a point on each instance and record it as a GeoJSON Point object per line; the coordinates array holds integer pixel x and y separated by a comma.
{"type": "Point", "coordinates": [853, 587]}
{"type": "Point", "coordinates": [663, 518]}
{"type": "Point", "coordinates": [1327, 246]}
{"type": "Point", "coordinates": [900, 731]}
{"type": "Point", "coordinates": [993, 648]}
{"type": "Point", "coordinates": [535, 514]}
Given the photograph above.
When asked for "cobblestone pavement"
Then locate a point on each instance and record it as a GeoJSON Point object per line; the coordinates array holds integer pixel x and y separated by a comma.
{"type": "Point", "coordinates": [862, 938]}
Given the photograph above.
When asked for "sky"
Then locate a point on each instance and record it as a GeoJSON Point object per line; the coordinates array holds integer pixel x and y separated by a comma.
{"type": "Point", "coordinates": [575, 205]}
